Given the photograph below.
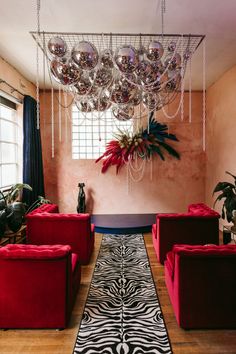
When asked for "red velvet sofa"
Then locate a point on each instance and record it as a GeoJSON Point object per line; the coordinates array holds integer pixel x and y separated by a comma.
{"type": "Point", "coordinates": [201, 281]}
{"type": "Point", "coordinates": [38, 285]}
{"type": "Point", "coordinates": [46, 226]}
{"type": "Point", "coordinates": [200, 225]}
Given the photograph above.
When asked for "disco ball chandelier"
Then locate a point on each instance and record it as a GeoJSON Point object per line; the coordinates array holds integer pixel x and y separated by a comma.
{"type": "Point", "coordinates": [118, 71]}
{"type": "Point", "coordinates": [130, 74]}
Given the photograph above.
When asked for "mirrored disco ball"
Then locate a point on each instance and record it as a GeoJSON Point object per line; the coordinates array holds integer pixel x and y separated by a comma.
{"type": "Point", "coordinates": [137, 98]}
{"type": "Point", "coordinates": [173, 83]}
{"type": "Point", "coordinates": [101, 103]}
{"type": "Point", "coordinates": [57, 46]}
{"type": "Point", "coordinates": [85, 55]}
{"type": "Point", "coordinates": [127, 59]}
{"type": "Point", "coordinates": [150, 101]}
{"type": "Point", "coordinates": [102, 77]}
{"type": "Point", "coordinates": [173, 62]}
{"type": "Point", "coordinates": [64, 71]}
{"type": "Point", "coordinates": [84, 106]}
{"type": "Point", "coordinates": [84, 86]}
{"type": "Point", "coordinates": [122, 91]}
{"type": "Point", "coordinates": [171, 46]}
{"type": "Point", "coordinates": [123, 113]}
{"type": "Point", "coordinates": [154, 51]}
{"type": "Point", "coordinates": [106, 60]}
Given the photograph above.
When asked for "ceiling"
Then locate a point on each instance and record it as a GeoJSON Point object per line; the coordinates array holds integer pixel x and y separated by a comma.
{"type": "Point", "coordinates": [213, 18]}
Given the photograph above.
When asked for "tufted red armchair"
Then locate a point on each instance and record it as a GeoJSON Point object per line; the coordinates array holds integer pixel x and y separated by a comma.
{"type": "Point", "coordinates": [201, 281]}
{"type": "Point", "coordinates": [38, 285]}
{"type": "Point", "coordinates": [200, 225]}
{"type": "Point", "coordinates": [46, 226]}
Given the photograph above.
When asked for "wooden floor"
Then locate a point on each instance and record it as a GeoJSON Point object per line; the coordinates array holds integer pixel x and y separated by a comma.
{"type": "Point", "coordinates": [62, 342]}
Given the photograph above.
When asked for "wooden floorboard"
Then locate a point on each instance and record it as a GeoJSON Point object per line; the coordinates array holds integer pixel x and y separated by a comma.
{"type": "Point", "coordinates": [62, 342]}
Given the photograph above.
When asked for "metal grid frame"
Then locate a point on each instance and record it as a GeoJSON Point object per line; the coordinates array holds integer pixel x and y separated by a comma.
{"type": "Point", "coordinates": [111, 41]}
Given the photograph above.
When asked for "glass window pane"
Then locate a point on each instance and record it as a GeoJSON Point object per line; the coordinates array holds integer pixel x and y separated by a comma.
{"type": "Point", "coordinates": [7, 113]}
{"type": "Point", "coordinates": [8, 131]}
{"type": "Point", "coordinates": [9, 175]}
{"type": "Point", "coordinates": [8, 152]}
{"type": "Point", "coordinates": [89, 136]}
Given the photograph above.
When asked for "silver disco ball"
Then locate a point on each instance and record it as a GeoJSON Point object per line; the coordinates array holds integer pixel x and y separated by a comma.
{"type": "Point", "coordinates": [64, 71]}
{"type": "Point", "coordinates": [123, 113]}
{"type": "Point", "coordinates": [127, 59]}
{"type": "Point", "coordinates": [173, 62]}
{"type": "Point", "coordinates": [57, 46]}
{"type": "Point", "coordinates": [154, 51]}
{"type": "Point", "coordinates": [85, 55]}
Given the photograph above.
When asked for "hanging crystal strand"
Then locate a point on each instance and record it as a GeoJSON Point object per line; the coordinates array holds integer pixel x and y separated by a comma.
{"type": "Point", "coordinates": [148, 121]}
{"type": "Point", "coordinates": [163, 10]}
{"type": "Point", "coordinates": [140, 170]}
{"type": "Point", "coordinates": [99, 127]}
{"type": "Point", "coordinates": [127, 176]}
{"type": "Point", "coordinates": [204, 95]}
{"type": "Point", "coordinates": [52, 120]}
{"type": "Point", "coordinates": [182, 80]}
{"type": "Point", "coordinates": [151, 167]}
{"type": "Point", "coordinates": [44, 81]}
{"type": "Point", "coordinates": [66, 120]}
{"type": "Point", "coordinates": [37, 67]}
{"type": "Point", "coordinates": [190, 90]}
{"type": "Point", "coordinates": [59, 112]}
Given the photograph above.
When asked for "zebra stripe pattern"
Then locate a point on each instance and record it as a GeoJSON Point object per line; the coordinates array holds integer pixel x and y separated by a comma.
{"type": "Point", "coordinates": [122, 314]}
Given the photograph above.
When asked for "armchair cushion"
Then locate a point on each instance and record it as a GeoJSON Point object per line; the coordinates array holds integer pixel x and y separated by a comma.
{"type": "Point", "coordinates": [14, 251]}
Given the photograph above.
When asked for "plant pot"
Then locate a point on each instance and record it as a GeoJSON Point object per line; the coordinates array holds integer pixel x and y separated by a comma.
{"type": "Point", "coordinates": [16, 212]}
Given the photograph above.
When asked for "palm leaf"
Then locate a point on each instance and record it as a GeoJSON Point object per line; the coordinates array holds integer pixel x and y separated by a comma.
{"type": "Point", "coordinates": [222, 186]}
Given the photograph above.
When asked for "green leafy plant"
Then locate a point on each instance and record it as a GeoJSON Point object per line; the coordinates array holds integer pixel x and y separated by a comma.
{"type": "Point", "coordinates": [12, 210]}
{"type": "Point", "coordinates": [228, 194]}
{"type": "Point", "coordinates": [40, 201]}
{"type": "Point", "coordinates": [143, 144]}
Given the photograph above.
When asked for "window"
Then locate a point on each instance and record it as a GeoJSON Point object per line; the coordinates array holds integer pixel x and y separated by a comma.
{"type": "Point", "coordinates": [89, 138]}
{"type": "Point", "coordinates": [10, 144]}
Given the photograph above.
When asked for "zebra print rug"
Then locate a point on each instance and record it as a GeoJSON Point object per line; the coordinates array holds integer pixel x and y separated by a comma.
{"type": "Point", "coordinates": [122, 314]}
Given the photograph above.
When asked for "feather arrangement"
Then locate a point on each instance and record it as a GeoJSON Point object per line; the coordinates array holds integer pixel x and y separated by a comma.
{"type": "Point", "coordinates": [144, 144]}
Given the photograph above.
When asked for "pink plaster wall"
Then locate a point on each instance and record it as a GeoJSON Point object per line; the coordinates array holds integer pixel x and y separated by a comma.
{"type": "Point", "coordinates": [174, 184]}
{"type": "Point", "coordinates": [221, 133]}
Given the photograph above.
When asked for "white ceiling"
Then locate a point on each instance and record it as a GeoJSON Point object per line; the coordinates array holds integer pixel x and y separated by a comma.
{"type": "Point", "coordinates": [214, 18]}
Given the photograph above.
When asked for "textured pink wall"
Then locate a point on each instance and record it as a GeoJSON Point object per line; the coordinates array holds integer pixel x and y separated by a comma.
{"type": "Point", "coordinates": [221, 133]}
{"type": "Point", "coordinates": [173, 186]}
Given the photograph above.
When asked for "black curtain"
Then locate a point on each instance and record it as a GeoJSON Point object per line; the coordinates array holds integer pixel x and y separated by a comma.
{"type": "Point", "coordinates": [32, 152]}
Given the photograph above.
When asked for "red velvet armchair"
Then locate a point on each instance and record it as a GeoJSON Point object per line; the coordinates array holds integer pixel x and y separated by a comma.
{"type": "Point", "coordinates": [46, 226]}
{"type": "Point", "coordinates": [200, 225]}
{"type": "Point", "coordinates": [201, 281]}
{"type": "Point", "coordinates": [38, 285]}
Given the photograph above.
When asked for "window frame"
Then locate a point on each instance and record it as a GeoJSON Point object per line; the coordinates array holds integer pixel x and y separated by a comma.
{"type": "Point", "coordinates": [17, 141]}
{"type": "Point", "coordinates": [104, 127]}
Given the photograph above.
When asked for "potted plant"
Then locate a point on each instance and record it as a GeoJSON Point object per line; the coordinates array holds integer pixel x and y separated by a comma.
{"type": "Point", "coordinates": [228, 194]}
{"type": "Point", "coordinates": [12, 210]}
